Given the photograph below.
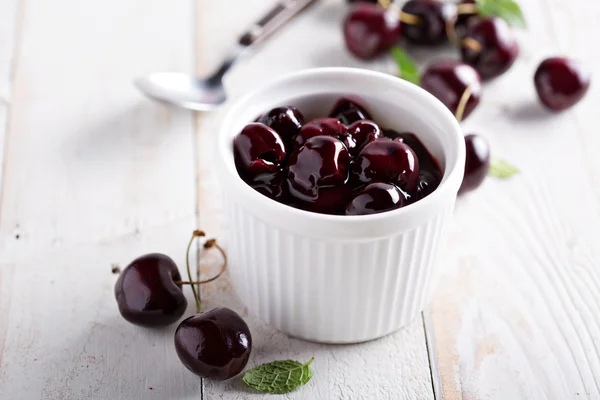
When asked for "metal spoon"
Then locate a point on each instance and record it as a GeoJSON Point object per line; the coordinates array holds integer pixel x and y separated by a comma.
{"type": "Point", "coordinates": [203, 94]}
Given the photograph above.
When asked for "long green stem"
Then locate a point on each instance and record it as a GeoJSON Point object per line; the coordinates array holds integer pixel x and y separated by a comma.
{"type": "Point", "coordinates": [189, 270]}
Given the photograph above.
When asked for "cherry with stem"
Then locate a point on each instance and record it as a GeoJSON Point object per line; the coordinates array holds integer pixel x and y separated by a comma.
{"type": "Point", "coordinates": [217, 343]}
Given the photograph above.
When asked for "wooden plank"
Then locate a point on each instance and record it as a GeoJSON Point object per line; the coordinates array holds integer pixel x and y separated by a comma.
{"type": "Point", "coordinates": [9, 35]}
{"type": "Point", "coordinates": [95, 174]}
{"type": "Point", "coordinates": [395, 367]}
{"type": "Point", "coordinates": [515, 315]}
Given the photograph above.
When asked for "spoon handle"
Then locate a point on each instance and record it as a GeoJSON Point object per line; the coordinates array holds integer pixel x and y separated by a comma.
{"type": "Point", "coordinates": [281, 13]}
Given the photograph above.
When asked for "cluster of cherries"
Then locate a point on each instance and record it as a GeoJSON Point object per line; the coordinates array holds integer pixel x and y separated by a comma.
{"type": "Point", "coordinates": [214, 344]}
{"type": "Point", "coordinates": [488, 48]}
{"type": "Point", "coordinates": [343, 164]}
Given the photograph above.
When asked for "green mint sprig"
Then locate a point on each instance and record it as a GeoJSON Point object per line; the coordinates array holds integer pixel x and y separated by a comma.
{"type": "Point", "coordinates": [279, 377]}
{"type": "Point", "coordinates": [407, 68]}
{"type": "Point", "coordinates": [501, 169]}
{"type": "Point", "coordinates": [508, 10]}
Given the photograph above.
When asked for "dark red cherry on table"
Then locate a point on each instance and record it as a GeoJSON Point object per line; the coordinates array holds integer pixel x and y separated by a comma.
{"type": "Point", "coordinates": [258, 149]}
{"type": "Point", "coordinates": [348, 110]}
{"type": "Point", "coordinates": [386, 160]}
{"type": "Point", "coordinates": [561, 83]}
{"type": "Point", "coordinates": [464, 18]}
{"type": "Point", "coordinates": [370, 29]}
{"type": "Point", "coordinates": [215, 344]}
{"type": "Point", "coordinates": [321, 127]}
{"type": "Point", "coordinates": [430, 26]}
{"type": "Point", "coordinates": [477, 162]}
{"type": "Point", "coordinates": [360, 133]}
{"type": "Point", "coordinates": [147, 294]}
{"type": "Point", "coordinates": [286, 121]}
{"type": "Point", "coordinates": [317, 173]}
{"type": "Point", "coordinates": [490, 47]}
{"type": "Point", "coordinates": [375, 198]}
{"type": "Point", "coordinates": [448, 80]}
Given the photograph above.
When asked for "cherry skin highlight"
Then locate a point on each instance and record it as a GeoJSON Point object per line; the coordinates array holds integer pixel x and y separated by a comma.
{"type": "Point", "coordinates": [370, 30]}
{"type": "Point", "coordinates": [146, 292]}
{"type": "Point", "coordinates": [561, 83]}
{"type": "Point", "coordinates": [215, 344]}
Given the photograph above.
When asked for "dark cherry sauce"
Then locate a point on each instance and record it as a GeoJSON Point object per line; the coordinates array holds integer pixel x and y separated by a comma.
{"type": "Point", "coordinates": [343, 163]}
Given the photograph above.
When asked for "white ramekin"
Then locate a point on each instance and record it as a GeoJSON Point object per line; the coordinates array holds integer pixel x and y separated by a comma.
{"type": "Point", "coordinates": [339, 279]}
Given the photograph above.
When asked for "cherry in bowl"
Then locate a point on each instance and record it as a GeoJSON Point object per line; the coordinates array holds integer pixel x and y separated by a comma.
{"type": "Point", "coordinates": [375, 198]}
{"type": "Point", "coordinates": [386, 160]}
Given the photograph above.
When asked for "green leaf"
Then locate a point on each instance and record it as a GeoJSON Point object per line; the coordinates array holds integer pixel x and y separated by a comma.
{"type": "Point", "coordinates": [279, 376]}
{"type": "Point", "coordinates": [407, 69]}
{"type": "Point", "coordinates": [508, 10]}
{"type": "Point", "coordinates": [501, 169]}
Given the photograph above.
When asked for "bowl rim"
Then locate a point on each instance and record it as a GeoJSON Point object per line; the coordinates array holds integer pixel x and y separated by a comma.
{"type": "Point", "coordinates": [451, 179]}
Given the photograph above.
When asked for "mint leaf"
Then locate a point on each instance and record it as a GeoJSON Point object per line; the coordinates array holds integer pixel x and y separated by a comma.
{"type": "Point", "coordinates": [279, 376]}
{"type": "Point", "coordinates": [407, 69]}
{"type": "Point", "coordinates": [508, 10]}
{"type": "Point", "coordinates": [501, 169]}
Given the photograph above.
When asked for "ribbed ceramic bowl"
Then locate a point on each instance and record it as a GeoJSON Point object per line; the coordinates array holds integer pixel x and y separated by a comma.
{"type": "Point", "coordinates": [339, 279]}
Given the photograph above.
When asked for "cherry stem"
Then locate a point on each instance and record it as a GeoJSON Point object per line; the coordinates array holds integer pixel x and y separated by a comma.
{"type": "Point", "coordinates": [462, 103]}
{"type": "Point", "coordinates": [406, 18]}
{"type": "Point", "coordinates": [384, 3]}
{"type": "Point", "coordinates": [451, 30]}
{"type": "Point", "coordinates": [209, 244]}
{"type": "Point", "coordinates": [466, 8]}
{"type": "Point", "coordinates": [195, 234]}
{"type": "Point", "coordinates": [471, 43]}
{"type": "Point", "coordinates": [409, 19]}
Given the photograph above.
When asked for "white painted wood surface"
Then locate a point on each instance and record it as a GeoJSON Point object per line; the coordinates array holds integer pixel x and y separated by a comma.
{"type": "Point", "coordinates": [95, 175]}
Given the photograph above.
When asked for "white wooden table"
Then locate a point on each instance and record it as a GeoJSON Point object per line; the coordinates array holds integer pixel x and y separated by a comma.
{"type": "Point", "coordinates": [93, 174]}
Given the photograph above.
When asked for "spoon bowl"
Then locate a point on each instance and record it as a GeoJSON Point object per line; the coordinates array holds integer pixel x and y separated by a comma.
{"type": "Point", "coordinates": [183, 90]}
{"type": "Point", "coordinates": [204, 94]}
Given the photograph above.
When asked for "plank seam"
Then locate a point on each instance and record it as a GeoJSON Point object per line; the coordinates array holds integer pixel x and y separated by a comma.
{"type": "Point", "coordinates": [431, 356]}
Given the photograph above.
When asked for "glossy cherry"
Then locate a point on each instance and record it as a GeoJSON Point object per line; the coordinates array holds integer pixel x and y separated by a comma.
{"type": "Point", "coordinates": [271, 185]}
{"type": "Point", "coordinates": [464, 19]}
{"type": "Point", "coordinates": [561, 83]}
{"type": "Point", "coordinates": [369, 30]}
{"type": "Point", "coordinates": [286, 121]}
{"type": "Point", "coordinates": [215, 344]}
{"type": "Point", "coordinates": [375, 198]}
{"type": "Point", "coordinates": [348, 110]}
{"type": "Point", "coordinates": [429, 180]}
{"type": "Point", "coordinates": [321, 127]}
{"type": "Point", "coordinates": [386, 160]}
{"type": "Point", "coordinates": [491, 47]}
{"type": "Point", "coordinates": [258, 149]}
{"type": "Point", "coordinates": [477, 162]}
{"type": "Point", "coordinates": [426, 160]}
{"type": "Point", "coordinates": [448, 80]}
{"type": "Point", "coordinates": [360, 133]}
{"type": "Point", "coordinates": [317, 173]}
{"type": "Point", "coordinates": [146, 292]}
{"type": "Point", "coordinates": [433, 16]}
